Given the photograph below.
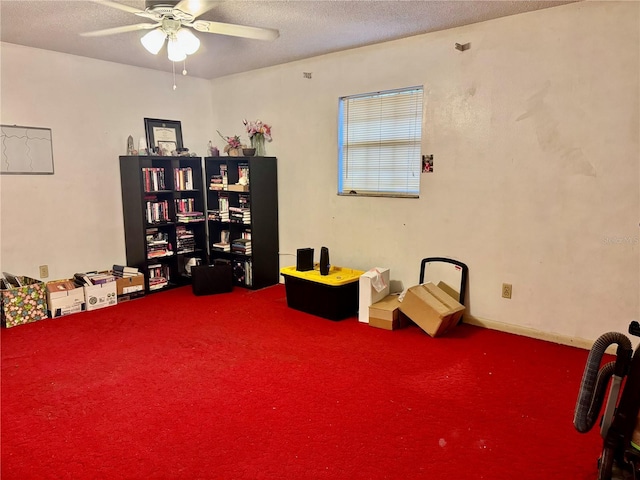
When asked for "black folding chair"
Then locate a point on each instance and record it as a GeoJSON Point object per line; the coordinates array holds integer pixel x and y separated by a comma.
{"type": "Point", "coordinates": [451, 272]}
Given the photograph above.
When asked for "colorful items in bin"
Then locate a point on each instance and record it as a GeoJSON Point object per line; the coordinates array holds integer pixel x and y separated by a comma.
{"type": "Point", "coordinates": [24, 304]}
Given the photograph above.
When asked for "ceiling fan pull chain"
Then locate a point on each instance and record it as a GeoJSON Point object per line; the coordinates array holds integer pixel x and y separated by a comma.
{"type": "Point", "coordinates": [184, 67]}
{"type": "Point", "coordinates": [174, 74]}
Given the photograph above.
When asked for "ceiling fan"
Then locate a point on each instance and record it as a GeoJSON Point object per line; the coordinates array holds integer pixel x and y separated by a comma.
{"type": "Point", "coordinates": [173, 21]}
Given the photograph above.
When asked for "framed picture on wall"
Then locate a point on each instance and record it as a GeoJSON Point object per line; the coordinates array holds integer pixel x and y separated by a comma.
{"type": "Point", "coordinates": [162, 133]}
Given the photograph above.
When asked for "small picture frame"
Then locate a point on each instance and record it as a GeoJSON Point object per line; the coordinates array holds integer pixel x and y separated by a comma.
{"type": "Point", "coordinates": [162, 135]}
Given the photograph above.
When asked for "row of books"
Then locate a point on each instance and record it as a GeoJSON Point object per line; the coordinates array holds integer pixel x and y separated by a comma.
{"type": "Point", "coordinates": [220, 181]}
{"type": "Point", "coordinates": [183, 178]}
{"type": "Point", "coordinates": [158, 244]}
{"type": "Point", "coordinates": [240, 215]}
{"type": "Point", "coordinates": [185, 239]}
{"type": "Point", "coordinates": [157, 211]}
{"type": "Point", "coordinates": [123, 271]}
{"type": "Point", "coordinates": [158, 276]}
{"type": "Point", "coordinates": [187, 217]}
{"type": "Point", "coordinates": [241, 246]}
{"type": "Point", "coordinates": [153, 179]}
{"type": "Point", "coordinates": [185, 205]}
{"type": "Point", "coordinates": [92, 278]}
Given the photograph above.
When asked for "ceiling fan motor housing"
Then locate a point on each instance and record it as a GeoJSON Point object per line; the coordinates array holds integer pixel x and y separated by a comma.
{"type": "Point", "coordinates": [156, 4]}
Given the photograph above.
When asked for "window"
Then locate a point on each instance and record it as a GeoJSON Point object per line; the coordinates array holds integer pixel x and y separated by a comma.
{"type": "Point", "coordinates": [379, 141]}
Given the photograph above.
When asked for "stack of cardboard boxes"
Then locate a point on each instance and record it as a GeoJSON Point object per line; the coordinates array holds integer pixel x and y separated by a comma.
{"type": "Point", "coordinates": [429, 306]}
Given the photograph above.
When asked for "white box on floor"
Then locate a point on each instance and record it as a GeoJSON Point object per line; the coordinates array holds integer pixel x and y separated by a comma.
{"type": "Point", "coordinates": [368, 295]}
{"type": "Point", "coordinates": [101, 295]}
{"type": "Point", "coordinates": [63, 298]}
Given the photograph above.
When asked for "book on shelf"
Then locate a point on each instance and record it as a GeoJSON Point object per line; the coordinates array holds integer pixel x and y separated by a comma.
{"type": "Point", "coordinates": [221, 247]}
{"type": "Point", "coordinates": [216, 182]}
{"type": "Point", "coordinates": [156, 283]}
{"type": "Point", "coordinates": [124, 271]}
{"type": "Point", "coordinates": [240, 215]}
{"type": "Point", "coordinates": [214, 215]}
{"type": "Point", "coordinates": [157, 211]}
{"type": "Point", "coordinates": [185, 205]}
{"type": "Point", "coordinates": [186, 217]}
{"type": "Point", "coordinates": [185, 239]}
{"type": "Point", "coordinates": [183, 178]}
{"type": "Point", "coordinates": [158, 276]}
{"type": "Point", "coordinates": [158, 244]}
{"type": "Point", "coordinates": [153, 179]}
{"type": "Point", "coordinates": [241, 245]}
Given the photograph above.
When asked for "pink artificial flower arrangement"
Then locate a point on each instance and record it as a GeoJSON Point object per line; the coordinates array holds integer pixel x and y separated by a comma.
{"type": "Point", "coordinates": [258, 128]}
{"type": "Point", "coordinates": [232, 142]}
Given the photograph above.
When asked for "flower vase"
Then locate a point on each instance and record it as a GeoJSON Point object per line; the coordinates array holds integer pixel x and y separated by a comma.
{"type": "Point", "coordinates": [257, 142]}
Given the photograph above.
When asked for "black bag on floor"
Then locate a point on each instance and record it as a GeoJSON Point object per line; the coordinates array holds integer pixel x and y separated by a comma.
{"type": "Point", "coordinates": [210, 279]}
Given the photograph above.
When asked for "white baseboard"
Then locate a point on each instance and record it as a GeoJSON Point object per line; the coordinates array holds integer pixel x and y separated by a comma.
{"type": "Point", "coordinates": [532, 333]}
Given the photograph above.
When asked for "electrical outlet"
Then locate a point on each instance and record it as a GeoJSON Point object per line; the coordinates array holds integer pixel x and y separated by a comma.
{"type": "Point", "coordinates": [44, 271]}
{"type": "Point", "coordinates": [506, 290]}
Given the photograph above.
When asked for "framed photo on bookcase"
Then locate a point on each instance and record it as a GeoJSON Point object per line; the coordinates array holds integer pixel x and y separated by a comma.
{"type": "Point", "coordinates": [161, 133]}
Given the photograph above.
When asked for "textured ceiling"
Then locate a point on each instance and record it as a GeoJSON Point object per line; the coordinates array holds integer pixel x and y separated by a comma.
{"type": "Point", "coordinates": [307, 28]}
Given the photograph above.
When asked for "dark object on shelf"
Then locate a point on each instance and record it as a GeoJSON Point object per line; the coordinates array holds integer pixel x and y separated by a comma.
{"type": "Point", "coordinates": [248, 152]}
{"type": "Point", "coordinates": [210, 279]}
{"type": "Point", "coordinates": [163, 132]}
{"type": "Point", "coordinates": [304, 259]}
{"type": "Point", "coordinates": [325, 265]}
{"type": "Point", "coordinates": [333, 296]}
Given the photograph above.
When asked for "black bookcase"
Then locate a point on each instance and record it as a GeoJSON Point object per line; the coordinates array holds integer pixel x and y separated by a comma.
{"type": "Point", "coordinates": [164, 234]}
{"type": "Point", "coordinates": [245, 214]}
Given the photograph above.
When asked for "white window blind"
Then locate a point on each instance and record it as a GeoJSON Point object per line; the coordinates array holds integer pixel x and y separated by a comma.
{"type": "Point", "coordinates": [379, 143]}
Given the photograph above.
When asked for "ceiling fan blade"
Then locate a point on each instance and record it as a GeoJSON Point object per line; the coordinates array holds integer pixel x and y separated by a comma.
{"type": "Point", "coordinates": [119, 6]}
{"type": "Point", "coordinates": [123, 29]}
{"type": "Point", "coordinates": [235, 30]}
{"type": "Point", "coordinates": [128, 9]}
{"type": "Point", "coordinates": [195, 7]}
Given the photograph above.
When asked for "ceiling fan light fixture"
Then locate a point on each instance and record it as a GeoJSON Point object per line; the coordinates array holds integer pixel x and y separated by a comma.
{"type": "Point", "coordinates": [189, 42]}
{"type": "Point", "coordinates": [154, 40]}
{"type": "Point", "coordinates": [175, 50]}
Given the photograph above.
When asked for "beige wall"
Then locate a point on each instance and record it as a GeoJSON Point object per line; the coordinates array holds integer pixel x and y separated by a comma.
{"type": "Point", "coordinates": [534, 132]}
{"type": "Point", "coordinates": [535, 136]}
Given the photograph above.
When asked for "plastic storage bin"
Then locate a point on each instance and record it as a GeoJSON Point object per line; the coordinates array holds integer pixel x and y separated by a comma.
{"type": "Point", "coordinates": [333, 296]}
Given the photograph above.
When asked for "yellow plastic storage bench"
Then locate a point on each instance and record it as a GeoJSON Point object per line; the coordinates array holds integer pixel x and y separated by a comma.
{"type": "Point", "coordinates": [333, 296]}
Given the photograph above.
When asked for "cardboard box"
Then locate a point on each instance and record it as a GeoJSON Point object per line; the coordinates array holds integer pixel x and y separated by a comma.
{"type": "Point", "coordinates": [368, 295]}
{"type": "Point", "coordinates": [128, 288]}
{"type": "Point", "coordinates": [386, 314]}
{"type": "Point", "coordinates": [100, 296]}
{"type": "Point", "coordinates": [64, 298]}
{"type": "Point", "coordinates": [431, 308]}
{"type": "Point", "coordinates": [20, 305]}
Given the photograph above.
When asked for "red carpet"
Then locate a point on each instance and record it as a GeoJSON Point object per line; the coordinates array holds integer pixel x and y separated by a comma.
{"type": "Point", "coordinates": [239, 386]}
